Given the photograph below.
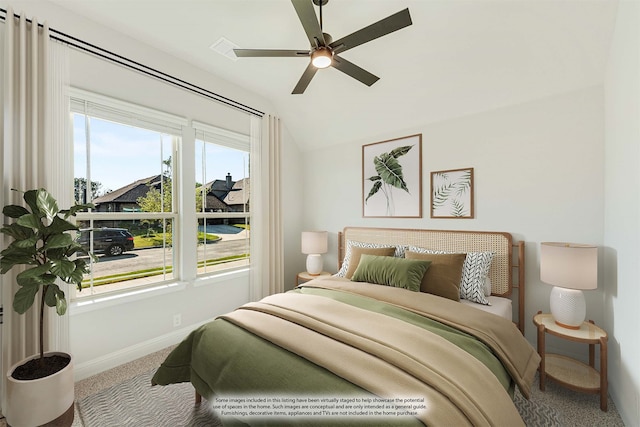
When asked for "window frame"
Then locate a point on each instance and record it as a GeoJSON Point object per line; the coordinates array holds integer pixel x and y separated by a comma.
{"type": "Point", "coordinates": [228, 139]}
{"type": "Point", "coordinates": [92, 105]}
{"type": "Point", "coordinates": [184, 211]}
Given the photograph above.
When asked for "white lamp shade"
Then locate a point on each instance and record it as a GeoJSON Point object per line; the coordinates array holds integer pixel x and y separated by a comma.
{"type": "Point", "coordinates": [569, 265]}
{"type": "Point", "coordinates": [314, 242]}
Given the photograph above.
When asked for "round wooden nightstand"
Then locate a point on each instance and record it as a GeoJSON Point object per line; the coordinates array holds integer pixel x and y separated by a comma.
{"type": "Point", "coordinates": [569, 372]}
{"type": "Point", "coordinates": [305, 277]}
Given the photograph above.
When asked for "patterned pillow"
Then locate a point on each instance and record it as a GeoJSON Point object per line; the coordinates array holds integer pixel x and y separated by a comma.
{"type": "Point", "coordinates": [347, 255]}
{"type": "Point", "coordinates": [474, 271]}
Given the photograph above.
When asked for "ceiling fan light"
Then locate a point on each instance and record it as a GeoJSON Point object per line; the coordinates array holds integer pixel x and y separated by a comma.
{"type": "Point", "coordinates": [322, 57]}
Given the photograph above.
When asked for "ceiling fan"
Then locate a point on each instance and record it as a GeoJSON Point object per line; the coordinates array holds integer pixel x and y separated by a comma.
{"type": "Point", "coordinates": [324, 51]}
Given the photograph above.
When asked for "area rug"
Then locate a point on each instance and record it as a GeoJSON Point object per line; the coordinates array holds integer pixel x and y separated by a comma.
{"type": "Point", "coordinates": [135, 403]}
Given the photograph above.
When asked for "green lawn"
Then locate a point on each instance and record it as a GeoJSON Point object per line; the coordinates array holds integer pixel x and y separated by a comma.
{"type": "Point", "coordinates": [122, 277]}
{"type": "Point", "coordinates": [156, 240]}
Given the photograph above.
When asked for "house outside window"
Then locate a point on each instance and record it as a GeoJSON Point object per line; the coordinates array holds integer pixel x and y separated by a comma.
{"type": "Point", "coordinates": [222, 199]}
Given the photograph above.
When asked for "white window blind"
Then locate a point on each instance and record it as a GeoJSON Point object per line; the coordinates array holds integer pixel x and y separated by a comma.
{"type": "Point", "coordinates": [118, 111]}
{"type": "Point", "coordinates": [222, 137]}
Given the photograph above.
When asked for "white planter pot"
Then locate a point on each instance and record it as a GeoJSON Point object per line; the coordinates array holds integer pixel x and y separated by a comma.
{"type": "Point", "coordinates": [39, 402]}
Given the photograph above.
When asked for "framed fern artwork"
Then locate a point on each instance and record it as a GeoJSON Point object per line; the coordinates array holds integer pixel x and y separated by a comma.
{"type": "Point", "coordinates": [392, 178]}
{"type": "Point", "coordinates": [452, 193]}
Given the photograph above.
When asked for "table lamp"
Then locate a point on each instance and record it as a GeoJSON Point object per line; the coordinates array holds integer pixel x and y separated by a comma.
{"type": "Point", "coordinates": [314, 244]}
{"type": "Point", "coordinates": [570, 268]}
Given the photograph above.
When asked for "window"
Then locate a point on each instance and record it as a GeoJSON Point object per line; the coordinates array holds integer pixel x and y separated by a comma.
{"type": "Point", "coordinates": [125, 162]}
{"type": "Point", "coordinates": [222, 199]}
{"type": "Point", "coordinates": [128, 162]}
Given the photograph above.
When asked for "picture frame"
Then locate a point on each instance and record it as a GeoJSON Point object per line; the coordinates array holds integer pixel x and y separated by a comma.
{"type": "Point", "coordinates": [452, 194]}
{"type": "Point", "coordinates": [392, 178]}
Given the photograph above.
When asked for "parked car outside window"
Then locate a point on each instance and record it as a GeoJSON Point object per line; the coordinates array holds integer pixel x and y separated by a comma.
{"type": "Point", "coordinates": [110, 241]}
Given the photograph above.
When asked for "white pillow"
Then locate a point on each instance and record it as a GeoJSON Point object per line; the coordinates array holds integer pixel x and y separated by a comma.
{"type": "Point", "coordinates": [347, 255]}
{"type": "Point", "coordinates": [474, 272]}
{"type": "Point", "coordinates": [487, 286]}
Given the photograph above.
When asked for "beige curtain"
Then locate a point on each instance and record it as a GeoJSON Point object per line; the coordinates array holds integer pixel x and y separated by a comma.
{"type": "Point", "coordinates": [267, 259]}
{"type": "Point", "coordinates": [33, 140]}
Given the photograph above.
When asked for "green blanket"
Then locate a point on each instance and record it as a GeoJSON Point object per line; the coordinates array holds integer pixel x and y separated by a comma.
{"type": "Point", "coordinates": [221, 358]}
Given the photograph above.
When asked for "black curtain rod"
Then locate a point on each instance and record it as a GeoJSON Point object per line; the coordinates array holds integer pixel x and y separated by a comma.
{"type": "Point", "coordinates": [134, 65]}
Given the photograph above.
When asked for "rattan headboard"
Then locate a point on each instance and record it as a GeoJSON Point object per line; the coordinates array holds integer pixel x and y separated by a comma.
{"type": "Point", "coordinates": [503, 266]}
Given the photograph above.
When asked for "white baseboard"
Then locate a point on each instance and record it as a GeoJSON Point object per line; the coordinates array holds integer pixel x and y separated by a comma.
{"type": "Point", "coordinates": [103, 363]}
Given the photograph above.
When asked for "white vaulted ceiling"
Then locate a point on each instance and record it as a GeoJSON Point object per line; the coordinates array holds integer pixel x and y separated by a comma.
{"type": "Point", "coordinates": [458, 57]}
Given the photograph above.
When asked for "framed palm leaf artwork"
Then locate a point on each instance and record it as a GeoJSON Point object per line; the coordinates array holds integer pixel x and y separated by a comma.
{"type": "Point", "coordinates": [452, 193]}
{"type": "Point", "coordinates": [392, 178]}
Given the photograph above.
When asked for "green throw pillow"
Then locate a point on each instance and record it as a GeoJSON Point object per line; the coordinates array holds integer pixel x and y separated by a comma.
{"type": "Point", "coordinates": [391, 271]}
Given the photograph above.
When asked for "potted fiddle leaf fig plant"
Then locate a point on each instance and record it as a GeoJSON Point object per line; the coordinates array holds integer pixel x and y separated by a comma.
{"type": "Point", "coordinates": [42, 243]}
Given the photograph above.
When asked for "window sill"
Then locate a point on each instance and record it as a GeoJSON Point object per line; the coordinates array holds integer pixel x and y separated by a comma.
{"type": "Point", "coordinates": [217, 277]}
{"type": "Point", "coordinates": [107, 300]}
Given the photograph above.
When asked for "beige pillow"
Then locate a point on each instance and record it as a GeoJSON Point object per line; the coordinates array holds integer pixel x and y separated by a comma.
{"type": "Point", "coordinates": [443, 276]}
{"type": "Point", "coordinates": [356, 253]}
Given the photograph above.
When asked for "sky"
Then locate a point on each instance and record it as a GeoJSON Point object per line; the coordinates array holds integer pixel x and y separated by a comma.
{"type": "Point", "coordinates": [122, 154]}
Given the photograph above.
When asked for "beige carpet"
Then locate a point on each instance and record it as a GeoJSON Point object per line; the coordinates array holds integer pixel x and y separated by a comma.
{"type": "Point", "coordinates": [572, 408]}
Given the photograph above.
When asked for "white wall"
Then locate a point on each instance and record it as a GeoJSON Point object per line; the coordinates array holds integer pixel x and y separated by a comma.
{"type": "Point", "coordinates": [538, 174]}
{"type": "Point", "coordinates": [622, 212]}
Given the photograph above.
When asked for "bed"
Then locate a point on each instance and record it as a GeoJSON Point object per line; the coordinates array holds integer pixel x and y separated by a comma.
{"type": "Point", "coordinates": [368, 346]}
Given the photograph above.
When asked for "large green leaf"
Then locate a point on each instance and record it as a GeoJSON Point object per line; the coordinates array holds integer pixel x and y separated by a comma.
{"type": "Point", "coordinates": [62, 268]}
{"type": "Point", "coordinates": [15, 258]}
{"type": "Point", "coordinates": [54, 297]}
{"type": "Point", "coordinates": [77, 274]}
{"type": "Point", "coordinates": [41, 280]}
{"type": "Point", "coordinates": [373, 190]}
{"type": "Point", "coordinates": [59, 225]}
{"type": "Point", "coordinates": [400, 151]}
{"type": "Point", "coordinates": [75, 247]}
{"type": "Point", "coordinates": [31, 221]}
{"type": "Point", "coordinates": [23, 299]}
{"type": "Point", "coordinates": [50, 295]}
{"type": "Point", "coordinates": [14, 211]}
{"type": "Point", "coordinates": [17, 231]}
{"type": "Point", "coordinates": [390, 171]}
{"type": "Point", "coordinates": [28, 242]}
{"type": "Point", "coordinates": [58, 241]}
{"type": "Point", "coordinates": [35, 271]}
{"type": "Point", "coordinates": [30, 197]}
{"type": "Point", "coordinates": [77, 208]}
{"type": "Point", "coordinates": [29, 281]}
{"type": "Point", "coordinates": [29, 254]}
{"type": "Point", "coordinates": [61, 303]}
{"type": "Point", "coordinates": [47, 204]}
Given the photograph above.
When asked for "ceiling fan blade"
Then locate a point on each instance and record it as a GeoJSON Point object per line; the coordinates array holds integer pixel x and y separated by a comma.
{"type": "Point", "coordinates": [353, 70]}
{"type": "Point", "coordinates": [381, 28]}
{"type": "Point", "coordinates": [309, 21]}
{"type": "Point", "coordinates": [305, 80]}
{"type": "Point", "coordinates": [246, 53]}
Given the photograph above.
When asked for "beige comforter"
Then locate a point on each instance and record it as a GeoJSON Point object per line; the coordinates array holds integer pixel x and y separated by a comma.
{"type": "Point", "coordinates": [386, 356]}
